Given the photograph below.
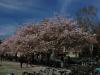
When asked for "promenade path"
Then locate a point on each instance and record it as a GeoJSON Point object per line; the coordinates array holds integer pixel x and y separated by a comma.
{"type": "Point", "coordinates": [9, 67]}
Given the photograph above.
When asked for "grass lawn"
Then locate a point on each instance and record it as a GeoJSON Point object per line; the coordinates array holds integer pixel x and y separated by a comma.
{"type": "Point", "coordinates": [9, 67]}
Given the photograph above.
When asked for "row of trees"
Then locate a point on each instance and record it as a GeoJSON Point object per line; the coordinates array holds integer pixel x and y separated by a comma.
{"type": "Point", "coordinates": [56, 34]}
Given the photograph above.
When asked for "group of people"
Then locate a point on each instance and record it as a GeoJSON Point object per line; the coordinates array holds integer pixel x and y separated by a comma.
{"type": "Point", "coordinates": [38, 58]}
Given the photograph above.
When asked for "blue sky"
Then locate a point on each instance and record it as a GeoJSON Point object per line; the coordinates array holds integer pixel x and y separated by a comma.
{"type": "Point", "coordinates": [13, 13]}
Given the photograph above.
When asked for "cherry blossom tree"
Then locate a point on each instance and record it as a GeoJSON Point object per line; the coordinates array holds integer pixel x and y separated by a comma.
{"type": "Point", "coordinates": [55, 34]}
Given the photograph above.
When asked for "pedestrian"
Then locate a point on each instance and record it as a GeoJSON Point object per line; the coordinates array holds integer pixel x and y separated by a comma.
{"type": "Point", "coordinates": [21, 60]}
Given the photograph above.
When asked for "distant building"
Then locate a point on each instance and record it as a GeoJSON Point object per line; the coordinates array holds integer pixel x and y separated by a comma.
{"type": "Point", "coordinates": [72, 52]}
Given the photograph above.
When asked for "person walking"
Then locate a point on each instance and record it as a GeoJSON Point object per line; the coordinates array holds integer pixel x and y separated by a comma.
{"type": "Point", "coordinates": [21, 60]}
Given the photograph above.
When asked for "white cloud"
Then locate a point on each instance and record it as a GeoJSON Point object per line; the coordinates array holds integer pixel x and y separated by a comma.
{"type": "Point", "coordinates": [7, 29]}
{"type": "Point", "coordinates": [8, 6]}
{"type": "Point", "coordinates": [17, 4]}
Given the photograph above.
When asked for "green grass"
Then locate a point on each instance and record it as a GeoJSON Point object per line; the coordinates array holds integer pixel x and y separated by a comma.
{"type": "Point", "coordinates": [9, 67]}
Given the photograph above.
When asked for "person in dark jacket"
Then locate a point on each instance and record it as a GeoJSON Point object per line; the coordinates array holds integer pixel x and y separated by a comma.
{"type": "Point", "coordinates": [21, 60]}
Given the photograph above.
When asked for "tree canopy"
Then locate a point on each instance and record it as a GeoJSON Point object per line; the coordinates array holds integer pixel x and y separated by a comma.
{"type": "Point", "coordinates": [56, 34]}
